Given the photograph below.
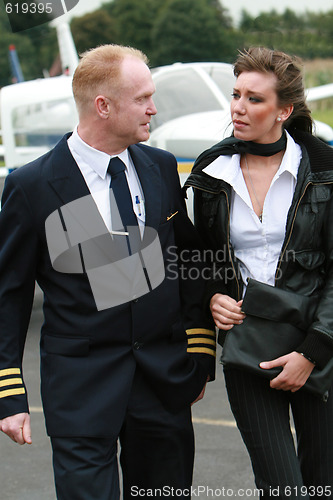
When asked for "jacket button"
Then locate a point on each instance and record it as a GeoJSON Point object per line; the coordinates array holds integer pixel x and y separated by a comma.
{"type": "Point", "coordinates": [135, 301]}
{"type": "Point", "coordinates": [137, 345]}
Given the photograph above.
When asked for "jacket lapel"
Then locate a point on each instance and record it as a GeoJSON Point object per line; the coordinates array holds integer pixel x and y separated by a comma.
{"type": "Point", "coordinates": [150, 179]}
{"type": "Point", "coordinates": [68, 182]}
{"type": "Point", "coordinates": [66, 178]}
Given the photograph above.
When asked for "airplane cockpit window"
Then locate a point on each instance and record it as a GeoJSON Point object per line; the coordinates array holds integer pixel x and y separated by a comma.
{"type": "Point", "coordinates": [180, 93]}
{"type": "Point", "coordinates": [41, 124]}
{"type": "Point", "coordinates": [224, 79]}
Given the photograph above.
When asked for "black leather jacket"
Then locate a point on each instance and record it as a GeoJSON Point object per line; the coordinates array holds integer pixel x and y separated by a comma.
{"type": "Point", "coordinates": [305, 264]}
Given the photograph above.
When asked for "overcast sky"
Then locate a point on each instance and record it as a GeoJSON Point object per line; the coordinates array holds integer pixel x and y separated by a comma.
{"type": "Point", "coordinates": [235, 7]}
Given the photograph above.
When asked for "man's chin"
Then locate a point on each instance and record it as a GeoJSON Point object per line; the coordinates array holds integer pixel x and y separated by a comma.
{"type": "Point", "coordinates": [144, 137]}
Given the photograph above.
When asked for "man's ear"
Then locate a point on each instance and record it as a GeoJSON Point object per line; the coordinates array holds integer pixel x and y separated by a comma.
{"type": "Point", "coordinates": [102, 106]}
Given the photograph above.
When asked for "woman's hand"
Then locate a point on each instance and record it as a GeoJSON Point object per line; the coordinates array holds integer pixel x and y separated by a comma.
{"type": "Point", "coordinates": [226, 311]}
{"type": "Point", "coordinates": [296, 369]}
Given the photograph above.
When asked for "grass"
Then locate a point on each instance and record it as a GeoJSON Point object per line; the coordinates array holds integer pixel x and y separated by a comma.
{"type": "Point", "coordinates": [325, 116]}
{"type": "Point", "coordinates": [320, 72]}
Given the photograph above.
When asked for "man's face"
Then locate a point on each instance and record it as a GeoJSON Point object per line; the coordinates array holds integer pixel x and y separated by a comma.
{"type": "Point", "coordinates": [133, 107]}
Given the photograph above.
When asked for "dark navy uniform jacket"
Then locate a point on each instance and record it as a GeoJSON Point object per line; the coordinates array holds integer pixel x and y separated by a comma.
{"type": "Point", "coordinates": [89, 356]}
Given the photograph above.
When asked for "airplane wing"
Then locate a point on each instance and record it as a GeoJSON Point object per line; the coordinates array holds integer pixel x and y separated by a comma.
{"type": "Point", "coordinates": [321, 92]}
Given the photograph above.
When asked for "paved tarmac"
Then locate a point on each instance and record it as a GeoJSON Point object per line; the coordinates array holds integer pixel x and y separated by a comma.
{"type": "Point", "coordinates": [222, 468]}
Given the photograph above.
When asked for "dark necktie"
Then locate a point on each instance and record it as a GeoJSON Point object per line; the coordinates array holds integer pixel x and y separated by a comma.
{"type": "Point", "coordinates": [123, 199]}
{"type": "Point", "coordinates": [119, 186]}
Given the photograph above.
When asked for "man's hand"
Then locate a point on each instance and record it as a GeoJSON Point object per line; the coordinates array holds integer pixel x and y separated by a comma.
{"type": "Point", "coordinates": [202, 393]}
{"type": "Point", "coordinates": [17, 427]}
{"type": "Point", "coordinates": [296, 369]}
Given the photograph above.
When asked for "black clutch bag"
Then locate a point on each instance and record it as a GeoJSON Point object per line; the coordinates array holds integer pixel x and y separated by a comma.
{"type": "Point", "coordinates": [275, 324]}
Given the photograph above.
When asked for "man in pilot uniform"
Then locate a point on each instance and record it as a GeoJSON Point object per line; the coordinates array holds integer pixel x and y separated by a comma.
{"type": "Point", "coordinates": [120, 359]}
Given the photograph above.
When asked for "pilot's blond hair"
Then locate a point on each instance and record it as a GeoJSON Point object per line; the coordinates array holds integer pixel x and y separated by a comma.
{"type": "Point", "coordinates": [98, 69]}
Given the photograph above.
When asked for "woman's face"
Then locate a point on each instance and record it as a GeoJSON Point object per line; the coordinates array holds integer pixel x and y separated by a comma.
{"type": "Point", "coordinates": [254, 108]}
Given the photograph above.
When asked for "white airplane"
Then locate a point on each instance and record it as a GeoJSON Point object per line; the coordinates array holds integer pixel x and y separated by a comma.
{"type": "Point", "coordinates": [35, 114]}
{"type": "Point", "coordinates": [193, 102]}
{"type": "Point", "coordinates": [321, 92]}
{"type": "Point", "coordinates": [2, 151]}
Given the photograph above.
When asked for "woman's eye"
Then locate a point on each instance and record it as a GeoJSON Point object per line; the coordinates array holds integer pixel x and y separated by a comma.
{"type": "Point", "coordinates": [254, 99]}
{"type": "Point", "coordinates": [234, 95]}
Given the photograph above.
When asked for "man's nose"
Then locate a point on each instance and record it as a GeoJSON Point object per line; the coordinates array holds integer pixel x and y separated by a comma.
{"type": "Point", "coordinates": [152, 108]}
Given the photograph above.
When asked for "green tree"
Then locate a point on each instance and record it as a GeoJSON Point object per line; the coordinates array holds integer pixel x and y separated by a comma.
{"type": "Point", "coordinates": [291, 21]}
{"type": "Point", "coordinates": [221, 13]}
{"type": "Point", "coordinates": [135, 21]}
{"type": "Point", "coordinates": [45, 48]}
{"type": "Point", "coordinates": [36, 49]}
{"type": "Point", "coordinates": [307, 35]}
{"type": "Point", "coordinates": [246, 21]}
{"type": "Point", "coordinates": [95, 28]}
{"type": "Point", "coordinates": [24, 49]}
{"type": "Point", "coordinates": [189, 31]}
{"type": "Point", "coordinates": [264, 22]}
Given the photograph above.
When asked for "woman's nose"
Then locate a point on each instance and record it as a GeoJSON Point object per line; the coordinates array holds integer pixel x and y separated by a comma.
{"type": "Point", "coordinates": [239, 107]}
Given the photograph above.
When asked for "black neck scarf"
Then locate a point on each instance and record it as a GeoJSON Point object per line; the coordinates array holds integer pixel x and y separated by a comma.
{"type": "Point", "coordinates": [231, 146]}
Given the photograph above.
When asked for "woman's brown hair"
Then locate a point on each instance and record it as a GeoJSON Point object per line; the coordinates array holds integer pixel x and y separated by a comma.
{"type": "Point", "coordinates": [289, 86]}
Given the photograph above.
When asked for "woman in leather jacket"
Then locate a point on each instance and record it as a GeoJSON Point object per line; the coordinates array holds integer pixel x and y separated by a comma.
{"type": "Point", "coordinates": [263, 204]}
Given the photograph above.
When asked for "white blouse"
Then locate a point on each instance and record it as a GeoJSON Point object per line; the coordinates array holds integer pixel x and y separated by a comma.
{"type": "Point", "coordinates": [257, 245]}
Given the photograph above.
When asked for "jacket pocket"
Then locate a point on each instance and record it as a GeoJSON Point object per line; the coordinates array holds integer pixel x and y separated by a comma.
{"type": "Point", "coordinates": [66, 346]}
{"type": "Point", "coordinates": [307, 274]}
{"type": "Point", "coordinates": [309, 259]}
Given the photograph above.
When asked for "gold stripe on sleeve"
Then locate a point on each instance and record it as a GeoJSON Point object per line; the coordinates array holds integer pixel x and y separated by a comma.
{"type": "Point", "coordinates": [200, 331]}
{"type": "Point", "coordinates": [11, 381]}
{"type": "Point", "coordinates": [10, 371]}
{"type": "Point", "coordinates": [201, 340]}
{"type": "Point", "coordinates": [12, 392]}
{"type": "Point", "coordinates": [201, 350]}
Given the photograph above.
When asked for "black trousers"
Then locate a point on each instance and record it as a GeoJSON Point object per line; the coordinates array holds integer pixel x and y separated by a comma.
{"type": "Point", "coordinates": [282, 468]}
{"type": "Point", "coordinates": [156, 456]}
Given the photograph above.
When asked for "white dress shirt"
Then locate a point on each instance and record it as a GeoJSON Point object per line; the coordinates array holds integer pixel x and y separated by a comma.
{"type": "Point", "coordinates": [257, 245]}
{"type": "Point", "coordinates": [94, 165]}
